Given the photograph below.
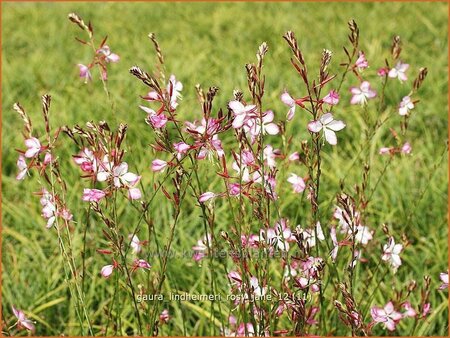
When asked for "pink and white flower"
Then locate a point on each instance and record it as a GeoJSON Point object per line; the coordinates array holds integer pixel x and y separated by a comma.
{"type": "Point", "coordinates": [135, 244]}
{"type": "Point", "coordinates": [329, 126]}
{"type": "Point", "coordinates": [141, 264]}
{"type": "Point", "coordinates": [164, 316]}
{"type": "Point", "coordinates": [158, 165]}
{"type": "Point", "coordinates": [85, 73]}
{"type": "Point", "coordinates": [241, 113]}
{"type": "Point", "coordinates": [86, 160]}
{"type": "Point", "coordinates": [387, 315]}
{"type": "Point", "coordinates": [201, 248]}
{"type": "Point", "coordinates": [34, 147]}
{"type": "Point", "coordinates": [107, 270]}
{"type": "Point", "coordinates": [181, 148]}
{"type": "Point", "coordinates": [298, 184]}
{"type": "Point", "coordinates": [332, 98]}
{"type": "Point", "coordinates": [290, 102]}
{"type": "Point", "coordinates": [362, 94]}
{"type": "Point", "coordinates": [391, 253]}
{"type": "Point", "coordinates": [93, 195]}
{"type": "Point", "coordinates": [409, 310]}
{"type": "Point", "coordinates": [444, 279]}
{"type": "Point", "coordinates": [23, 168]}
{"type": "Point", "coordinates": [406, 148]}
{"type": "Point", "coordinates": [399, 71]}
{"type": "Point", "coordinates": [109, 56]}
{"type": "Point", "coordinates": [156, 120]}
{"type": "Point", "coordinates": [405, 106]}
{"type": "Point", "coordinates": [361, 63]}
{"type": "Point", "coordinates": [22, 321]}
{"type": "Point", "coordinates": [206, 196]}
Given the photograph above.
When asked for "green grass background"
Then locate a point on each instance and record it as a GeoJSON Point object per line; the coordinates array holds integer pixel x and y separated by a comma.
{"type": "Point", "coordinates": [209, 43]}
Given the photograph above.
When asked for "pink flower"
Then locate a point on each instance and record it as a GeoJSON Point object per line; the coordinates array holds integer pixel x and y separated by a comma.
{"type": "Point", "coordinates": [85, 73]}
{"type": "Point", "coordinates": [174, 88]}
{"type": "Point", "coordinates": [391, 253]}
{"type": "Point", "coordinates": [399, 71]}
{"type": "Point", "coordinates": [386, 150]}
{"type": "Point", "coordinates": [298, 184]}
{"type": "Point", "coordinates": [444, 278]}
{"type": "Point", "coordinates": [141, 264]}
{"type": "Point", "coordinates": [257, 289]}
{"type": "Point", "coordinates": [362, 94]}
{"type": "Point", "coordinates": [22, 320]}
{"type": "Point", "coordinates": [93, 195]}
{"type": "Point", "coordinates": [426, 309]}
{"type": "Point", "coordinates": [332, 98]}
{"type": "Point", "coordinates": [206, 196]}
{"type": "Point", "coordinates": [388, 316]}
{"type": "Point", "coordinates": [164, 316]}
{"type": "Point", "coordinates": [329, 126]}
{"type": "Point", "coordinates": [181, 148]}
{"type": "Point", "coordinates": [158, 165]}
{"type": "Point", "coordinates": [290, 102]}
{"type": "Point", "coordinates": [382, 71]}
{"type": "Point", "coordinates": [86, 160]}
{"type": "Point", "coordinates": [156, 120]}
{"type": "Point", "coordinates": [335, 249]}
{"type": "Point", "coordinates": [134, 193]}
{"type": "Point", "coordinates": [234, 189]}
{"type": "Point", "coordinates": [23, 168]}
{"type": "Point", "coordinates": [107, 270]}
{"type": "Point", "coordinates": [235, 279]}
{"type": "Point", "coordinates": [241, 113]}
{"type": "Point", "coordinates": [406, 148]}
{"type": "Point", "coordinates": [48, 158]}
{"type": "Point", "coordinates": [201, 248]}
{"type": "Point", "coordinates": [34, 147]}
{"type": "Point", "coordinates": [361, 62]}
{"type": "Point", "coordinates": [109, 57]}
{"type": "Point", "coordinates": [294, 156]}
{"type": "Point", "coordinates": [409, 311]}
{"type": "Point", "coordinates": [405, 106]}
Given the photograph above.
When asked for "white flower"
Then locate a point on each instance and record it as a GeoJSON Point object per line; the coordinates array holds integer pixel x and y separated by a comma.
{"type": "Point", "coordinates": [391, 253]}
{"type": "Point", "coordinates": [361, 94]}
{"type": "Point", "coordinates": [329, 126]}
{"type": "Point", "coordinates": [399, 71]}
{"type": "Point", "coordinates": [405, 106]}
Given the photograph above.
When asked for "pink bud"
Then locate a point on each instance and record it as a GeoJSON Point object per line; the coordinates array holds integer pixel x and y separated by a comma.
{"type": "Point", "coordinates": [158, 165]}
{"type": "Point", "coordinates": [206, 196]}
{"type": "Point", "coordinates": [92, 195]}
{"type": "Point", "coordinates": [107, 270]}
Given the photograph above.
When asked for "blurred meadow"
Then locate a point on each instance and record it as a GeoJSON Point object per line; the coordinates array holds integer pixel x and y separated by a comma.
{"type": "Point", "coordinates": [209, 43]}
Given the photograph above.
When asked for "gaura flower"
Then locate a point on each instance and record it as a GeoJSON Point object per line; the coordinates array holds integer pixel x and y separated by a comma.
{"type": "Point", "coordinates": [241, 113]}
{"type": "Point", "coordinates": [181, 148]}
{"type": "Point", "coordinates": [107, 270]}
{"type": "Point", "coordinates": [332, 98]}
{"type": "Point", "coordinates": [84, 73]}
{"type": "Point", "coordinates": [135, 244]}
{"type": "Point", "coordinates": [141, 264]}
{"type": "Point", "coordinates": [329, 126]}
{"type": "Point", "coordinates": [298, 184]}
{"type": "Point", "coordinates": [290, 102]}
{"type": "Point", "coordinates": [93, 195]}
{"type": "Point", "coordinates": [399, 71]}
{"type": "Point", "coordinates": [409, 310]}
{"type": "Point", "coordinates": [34, 147]}
{"type": "Point", "coordinates": [22, 321]}
{"type": "Point", "coordinates": [405, 106]}
{"type": "Point", "coordinates": [23, 168]}
{"type": "Point", "coordinates": [158, 165]}
{"type": "Point", "coordinates": [361, 62]}
{"type": "Point", "coordinates": [156, 120]}
{"type": "Point", "coordinates": [387, 315]}
{"type": "Point", "coordinates": [444, 279]}
{"type": "Point", "coordinates": [391, 253]}
{"type": "Point", "coordinates": [164, 316]}
{"type": "Point", "coordinates": [206, 196]}
{"type": "Point", "coordinates": [362, 94]}
{"type": "Point", "coordinates": [109, 56]}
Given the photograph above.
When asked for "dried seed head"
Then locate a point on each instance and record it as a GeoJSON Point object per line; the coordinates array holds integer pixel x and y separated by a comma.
{"type": "Point", "coordinates": [26, 120]}
{"type": "Point", "coordinates": [146, 78]}
{"type": "Point", "coordinates": [76, 19]}
{"type": "Point", "coordinates": [238, 95]}
{"type": "Point", "coordinates": [420, 78]}
{"type": "Point", "coordinates": [354, 33]}
{"type": "Point", "coordinates": [396, 48]}
{"type": "Point", "coordinates": [46, 99]}
{"type": "Point", "coordinates": [292, 41]}
{"type": "Point", "coordinates": [326, 59]}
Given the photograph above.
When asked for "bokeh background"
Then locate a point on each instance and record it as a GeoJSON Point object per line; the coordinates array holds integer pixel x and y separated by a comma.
{"type": "Point", "coordinates": [209, 43]}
